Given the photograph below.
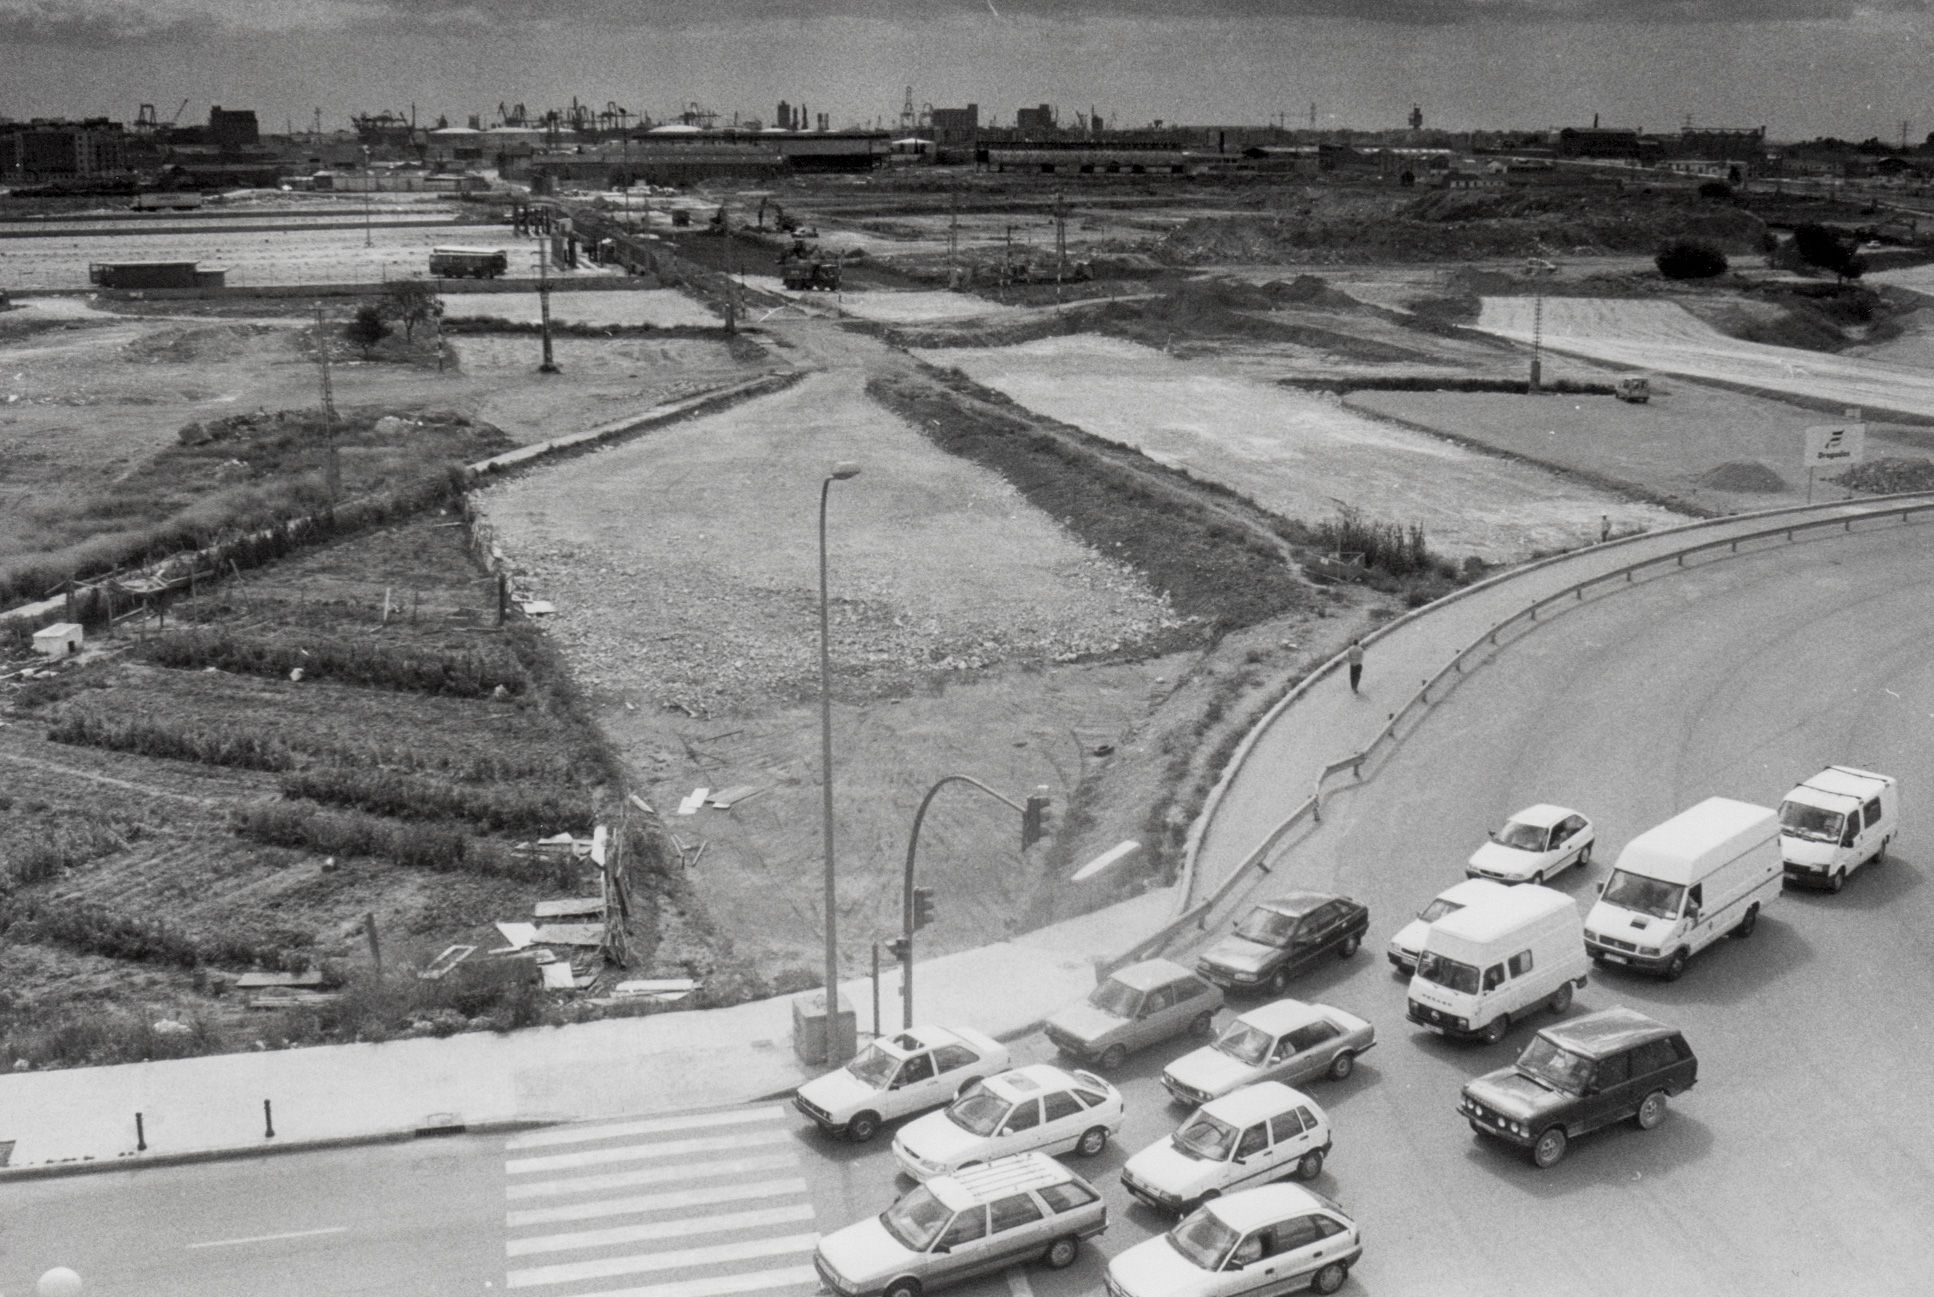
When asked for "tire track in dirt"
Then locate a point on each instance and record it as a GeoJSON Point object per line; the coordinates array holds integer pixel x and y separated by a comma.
{"type": "Point", "coordinates": [128, 785]}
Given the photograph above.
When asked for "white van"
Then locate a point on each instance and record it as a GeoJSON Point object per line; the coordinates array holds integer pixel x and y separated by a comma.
{"type": "Point", "coordinates": [1835, 822]}
{"type": "Point", "coordinates": [1498, 959]}
{"type": "Point", "coordinates": [1409, 940]}
{"type": "Point", "coordinates": [1681, 886]}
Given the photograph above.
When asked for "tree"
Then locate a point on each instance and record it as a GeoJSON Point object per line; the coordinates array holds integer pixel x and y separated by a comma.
{"type": "Point", "coordinates": [1690, 259]}
{"type": "Point", "coordinates": [413, 302]}
{"type": "Point", "coordinates": [1828, 249]}
{"type": "Point", "coordinates": [1715, 189]}
{"type": "Point", "coordinates": [368, 327]}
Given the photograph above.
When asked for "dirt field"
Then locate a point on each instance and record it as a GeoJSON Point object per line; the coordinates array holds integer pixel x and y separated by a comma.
{"type": "Point", "coordinates": [1299, 455]}
{"type": "Point", "coordinates": [660, 307]}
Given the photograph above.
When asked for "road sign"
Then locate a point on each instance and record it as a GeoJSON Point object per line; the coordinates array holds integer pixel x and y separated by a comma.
{"type": "Point", "coordinates": [1831, 444]}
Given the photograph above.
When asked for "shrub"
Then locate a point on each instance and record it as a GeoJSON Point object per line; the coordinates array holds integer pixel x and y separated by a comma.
{"type": "Point", "coordinates": [227, 746]}
{"type": "Point", "coordinates": [1718, 190]}
{"type": "Point", "coordinates": [423, 670]}
{"type": "Point", "coordinates": [1826, 248]}
{"type": "Point", "coordinates": [1690, 259]}
{"type": "Point", "coordinates": [503, 807]}
{"type": "Point", "coordinates": [306, 826]}
{"type": "Point", "coordinates": [95, 929]}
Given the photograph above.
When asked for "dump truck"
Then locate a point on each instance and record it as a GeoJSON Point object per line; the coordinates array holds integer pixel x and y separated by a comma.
{"type": "Point", "coordinates": [804, 275]}
{"type": "Point", "coordinates": [468, 263]}
{"type": "Point", "coordinates": [1636, 390]}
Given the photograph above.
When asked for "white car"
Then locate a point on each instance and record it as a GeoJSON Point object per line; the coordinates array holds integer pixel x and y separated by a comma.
{"type": "Point", "coordinates": [1285, 1040]}
{"type": "Point", "coordinates": [1256, 1243]}
{"type": "Point", "coordinates": [897, 1076]}
{"type": "Point", "coordinates": [1260, 1133]}
{"type": "Point", "coordinates": [1534, 844]}
{"type": "Point", "coordinates": [1035, 1107]}
{"type": "Point", "coordinates": [1408, 944]}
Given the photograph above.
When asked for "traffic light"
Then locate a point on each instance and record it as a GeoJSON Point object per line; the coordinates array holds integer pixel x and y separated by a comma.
{"type": "Point", "coordinates": [1034, 819]}
{"type": "Point", "coordinates": [922, 907]}
{"type": "Point", "coordinates": [898, 947]}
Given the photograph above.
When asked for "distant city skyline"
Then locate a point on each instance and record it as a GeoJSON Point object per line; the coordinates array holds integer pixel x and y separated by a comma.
{"type": "Point", "coordinates": [1801, 68]}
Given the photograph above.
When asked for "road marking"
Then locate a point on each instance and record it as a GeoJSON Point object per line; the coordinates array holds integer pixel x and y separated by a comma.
{"type": "Point", "coordinates": [681, 1197]}
{"type": "Point", "coordinates": [641, 1152]}
{"type": "Point", "coordinates": [650, 1126]}
{"type": "Point", "coordinates": [719, 1286]}
{"type": "Point", "coordinates": [270, 1238]}
{"type": "Point", "coordinates": [1017, 1283]}
{"type": "Point", "coordinates": [651, 1175]}
{"type": "Point", "coordinates": [608, 1267]}
{"type": "Point", "coordinates": [723, 1222]}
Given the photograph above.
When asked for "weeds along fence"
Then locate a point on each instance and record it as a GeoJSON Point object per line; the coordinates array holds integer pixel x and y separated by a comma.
{"type": "Point", "coordinates": [436, 847]}
{"type": "Point", "coordinates": [417, 670]}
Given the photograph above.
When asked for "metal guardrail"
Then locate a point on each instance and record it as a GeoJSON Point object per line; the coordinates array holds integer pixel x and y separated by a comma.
{"type": "Point", "coordinates": [1196, 915]}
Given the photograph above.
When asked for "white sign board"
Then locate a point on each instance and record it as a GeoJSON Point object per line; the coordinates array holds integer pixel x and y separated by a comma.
{"type": "Point", "coordinates": [1832, 444]}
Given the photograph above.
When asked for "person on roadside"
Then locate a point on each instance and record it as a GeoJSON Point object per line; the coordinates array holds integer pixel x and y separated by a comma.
{"type": "Point", "coordinates": [1355, 659]}
{"type": "Point", "coordinates": [1604, 528]}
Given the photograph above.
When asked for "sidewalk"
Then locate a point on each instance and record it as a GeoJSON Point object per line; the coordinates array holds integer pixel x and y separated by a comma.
{"type": "Point", "coordinates": [82, 1117]}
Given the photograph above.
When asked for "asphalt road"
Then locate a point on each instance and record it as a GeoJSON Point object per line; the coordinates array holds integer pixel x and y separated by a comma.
{"type": "Point", "coordinates": [1803, 1161]}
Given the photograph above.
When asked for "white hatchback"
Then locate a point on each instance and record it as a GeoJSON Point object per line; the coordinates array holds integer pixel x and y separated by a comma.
{"type": "Point", "coordinates": [1534, 844]}
{"type": "Point", "coordinates": [1256, 1243]}
{"type": "Point", "coordinates": [1035, 1107]}
{"type": "Point", "coordinates": [1259, 1133]}
{"type": "Point", "coordinates": [897, 1076]}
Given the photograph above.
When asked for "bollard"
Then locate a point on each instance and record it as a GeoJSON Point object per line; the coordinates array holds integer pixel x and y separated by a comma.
{"type": "Point", "coordinates": [268, 1120]}
{"type": "Point", "coordinates": [140, 1135]}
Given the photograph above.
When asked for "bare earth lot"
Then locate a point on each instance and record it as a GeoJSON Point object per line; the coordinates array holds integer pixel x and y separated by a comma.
{"type": "Point", "coordinates": [660, 307]}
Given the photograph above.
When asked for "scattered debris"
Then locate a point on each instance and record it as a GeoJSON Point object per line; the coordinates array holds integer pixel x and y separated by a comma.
{"type": "Point", "coordinates": [538, 607]}
{"type": "Point", "coordinates": [519, 935]}
{"type": "Point", "coordinates": [695, 800]}
{"type": "Point", "coordinates": [571, 934]}
{"type": "Point", "coordinates": [564, 909]}
{"type": "Point", "coordinates": [640, 803]}
{"type": "Point", "coordinates": [731, 796]}
{"type": "Point", "coordinates": [257, 981]}
{"type": "Point", "coordinates": [443, 963]}
{"type": "Point", "coordinates": [558, 976]}
{"type": "Point", "coordinates": [664, 990]}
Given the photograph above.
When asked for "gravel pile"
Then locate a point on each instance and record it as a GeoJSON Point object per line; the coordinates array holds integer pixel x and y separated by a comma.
{"type": "Point", "coordinates": [1886, 476]}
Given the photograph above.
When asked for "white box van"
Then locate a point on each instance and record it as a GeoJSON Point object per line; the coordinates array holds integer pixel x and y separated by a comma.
{"type": "Point", "coordinates": [1681, 886]}
{"type": "Point", "coordinates": [1409, 940]}
{"type": "Point", "coordinates": [1835, 822]}
{"type": "Point", "coordinates": [1498, 959]}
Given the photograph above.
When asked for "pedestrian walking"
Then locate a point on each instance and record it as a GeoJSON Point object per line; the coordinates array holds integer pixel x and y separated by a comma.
{"type": "Point", "coordinates": [1604, 527]}
{"type": "Point", "coordinates": [1356, 663]}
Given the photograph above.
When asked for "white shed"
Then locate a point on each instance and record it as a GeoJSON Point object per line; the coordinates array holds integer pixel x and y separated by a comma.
{"type": "Point", "coordinates": [60, 640]}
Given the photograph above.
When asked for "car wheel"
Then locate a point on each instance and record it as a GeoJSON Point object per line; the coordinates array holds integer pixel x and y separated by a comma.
{"type": "Point", "coordinates": [1203, 1026]}
{"type": "Point", "coordinates": [902, 1288]}
{"type": "Point", "coordinates": [1560, 999]}
{"type": "Point", "coordinates": [1309, 1165]}
{"type": "Point", "coordinates": [1279, 981]}
{"type": "Point", "coordinates": [1585, 856]}
{"type": "Point", "coordinates": [1494, 1030]}
{"type": "Point", "coordinates": [1112, 1057]}
{"type": "Point", "coordinates": [1348, 948]}
{"type": "Point", "coordinates": [1880, 856]}
{"type": "Point", "coordinates": [1550, 1148]}
{"type": "Point", "coordinates": [1748, 923]}
{"type": "Point", "coordinates": [1330, 1277]}
{"type": "Point", "coordinates": [1342, 1065]}
{"type": "Point", "coordinates": [1092, 1141]}
{"type": "Point", "coordinates": [1652, 1111]}
{"type": "Point", "coordinates": [1836, 880]}
{"type": "Point", "coordinates": [864, 1126]}
{"type": "Point", "coordinates": [1675, 965]}
{"type": "Point", "coordinates": [1062, 1252]}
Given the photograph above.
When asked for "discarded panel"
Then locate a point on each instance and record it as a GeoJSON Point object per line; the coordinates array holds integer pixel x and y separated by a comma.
{"type": "Point", "coordinates": [697, 799]}
{"type": "Point", "coordinates": [257, 981]}
{"type": "Point", "coordinates": [565, 909]}
{"type": "Point", "coordinates": [661, 986]}
{"type": "Point", "coordinates": [738, 793]}
{"type": "Point", "coordinates": [443, 963]}
{"type": "Point", "coordinates": [557, 977]}
{"type": "Point", "coordinates": [538, 607]}
{"type": "Point", "coordinates": [518, 935]}
{"type": "Point", "coordinates": [571, 934]}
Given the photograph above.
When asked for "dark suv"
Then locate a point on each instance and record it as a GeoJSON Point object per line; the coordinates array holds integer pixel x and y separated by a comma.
{"type": "Point", "coordinates": [1283, 935]}
{"type": "Point", "coordinates": [1580, 1075]}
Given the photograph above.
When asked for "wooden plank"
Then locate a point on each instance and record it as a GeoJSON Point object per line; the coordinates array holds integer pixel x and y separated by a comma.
{"type": "Point", "coordinates": [443, 963]}
{"type": "Point", "coordinates": [659, 986]}
{"type": "Point", "coordinates": [557, 977]}
{"type": "Point", "coordinates": [518, 935]}
{"type": "Point", "coordinates": [257, 981]}
{"type": "Point", "coordinates": [693, 801]}
{"type": "Point", "coordinates": [565, 909]}
{"type": "Point", "coordinates": [737, 793]}
{"type": "Point", "coordinates": [571, 934]}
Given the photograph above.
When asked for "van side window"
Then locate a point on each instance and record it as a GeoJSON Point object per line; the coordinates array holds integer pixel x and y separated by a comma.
{"type": "Point", "coordinates": [1873, 812]}
{"type": "Point", "coordinates": [1653, 1056]}
{"type": "Point", "coordinates": [1285, 1126]}
{"type": "Point", "coordinates": [1494, 977]}
{"type": "Point", "coordinates": [1521, 963]}
{"type": "Point", "coordinates": [1695, 898]}
{"type": "Point", "coordinates": [1614, 1070]}
{"type": "Point", "coordinates": [1066, 1196]}
{"type": "Point", "coordinates": [1010, 1213]}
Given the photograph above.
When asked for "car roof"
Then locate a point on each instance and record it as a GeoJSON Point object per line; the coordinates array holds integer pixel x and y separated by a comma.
{"type": "Point", "coordinates": [1253, 1208]}
{"type": "Point", "coordinates": [1151, 973]}
{"type": "Point", "coordinates": [1543, 815]}
{"type": "Point", "coordinates": [1492, 917]}
{"type": "Point", "coordinates": [1609, 1031]}
{"type": "Point", "coordinates": [1297, 903]}
{"type": "Point", "coordinates": [1281, 1015]}
{"type": "Point", "coordinates": [1254, 1102]}
{"type": "Point", "coordinates": [1029, 1082]}
{"type": "Point", "coordinates": [1846, 781]}
{"type": "Point", "coordinates": [975, 1185]}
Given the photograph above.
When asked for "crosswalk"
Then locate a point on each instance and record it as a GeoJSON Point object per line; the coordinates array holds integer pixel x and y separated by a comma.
{"type": "Point", "coordinates": [706, 1204]}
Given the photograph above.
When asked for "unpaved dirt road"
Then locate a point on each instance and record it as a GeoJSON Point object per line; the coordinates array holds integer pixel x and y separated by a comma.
{"type": "Point", "coordinates": [1663, 336]}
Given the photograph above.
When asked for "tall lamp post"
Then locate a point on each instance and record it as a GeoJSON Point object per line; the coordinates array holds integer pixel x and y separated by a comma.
{"type": "Point", "coordinates": [369, 184]}
{"type": "Point", "coordinates": [841, 472]}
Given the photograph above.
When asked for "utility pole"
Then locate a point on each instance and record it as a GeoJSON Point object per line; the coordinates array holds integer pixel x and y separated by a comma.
{"type": "Point", "coordinates": [544, 303]}
{"type": "Point", "coordinates": [331, 464]}
{"type": "Point", "coordinates": [1060, 242]}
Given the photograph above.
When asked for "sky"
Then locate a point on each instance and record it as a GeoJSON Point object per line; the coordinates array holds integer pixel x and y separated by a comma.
{"type": "Point", "coordinates": [1801, 68]}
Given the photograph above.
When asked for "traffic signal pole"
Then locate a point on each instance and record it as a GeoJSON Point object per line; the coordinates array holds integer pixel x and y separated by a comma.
{"type": "Point", "coordinates": [916, 903]}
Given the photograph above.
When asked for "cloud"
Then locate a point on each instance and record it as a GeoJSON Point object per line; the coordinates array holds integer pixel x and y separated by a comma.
{"type": "Point", "coordinates": [96, 26]}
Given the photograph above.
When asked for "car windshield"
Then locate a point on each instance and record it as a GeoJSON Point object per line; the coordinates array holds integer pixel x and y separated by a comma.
{"type": "Point", "coordinates": [1246, 1044]}
{"type": "Point", "coordinates": [1558, 1068]}
{"type": "Point", "coordinates": [1116, 999]}
{"type": "Point", "coordinates": [1208, 1138]}
{"type": "Point", "coordinates": [1437, 909]}
{"type": "Point", "coordinates": [917, 1219]}
{"type": "Point", "coordinates": [1803, 821]}
{"type": "Point", "coordinates": [875, 1067]}
{"type": "Point", "coordinates": [979, 1113]}
{"type": "Point", "coordinates": [1525, 837]}
{"type": "Point", "coordinates": [1447, 973]}
{"type": "Point", "coordinates": [1646, 895]}
{"type": "Point", "coordinates": [1202, 1239]}
{"type": "Point", "coordinates": [1267, 926]}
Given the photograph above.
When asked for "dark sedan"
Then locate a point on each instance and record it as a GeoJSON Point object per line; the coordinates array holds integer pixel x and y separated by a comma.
{"type": "Point", "coordinates": [1279, 937]}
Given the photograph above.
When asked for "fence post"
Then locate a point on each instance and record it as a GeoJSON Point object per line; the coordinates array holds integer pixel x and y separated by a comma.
{"type": "Point", "coordinates": [268, 1120]}
{"type": "Point", "coordinates": [140, 1134]}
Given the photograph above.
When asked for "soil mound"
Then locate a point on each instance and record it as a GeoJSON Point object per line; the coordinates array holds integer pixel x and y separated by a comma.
{"type": "Point", "coordinates": [1310, 290]}
{"type": "Point", "coordinates": [1744, 476]}
{"type": "Point", "coordinates": [181, 346]}
{"type": "Point", "coordinates": [1886, 476]}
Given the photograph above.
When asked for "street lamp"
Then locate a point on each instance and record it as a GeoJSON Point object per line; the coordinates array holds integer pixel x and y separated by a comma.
{"type": "Point", "coordinates": [369, 184]}
{"type": "Point", "coordinates": [834, 1055]}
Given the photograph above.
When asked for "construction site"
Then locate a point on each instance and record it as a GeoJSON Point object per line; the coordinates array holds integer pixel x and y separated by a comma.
{"type": "Point", "coordinates": [460, 670]}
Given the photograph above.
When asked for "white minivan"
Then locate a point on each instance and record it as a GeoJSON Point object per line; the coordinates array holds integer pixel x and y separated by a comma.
{"type": "Point", "coordinates": [1680, 886]}
{"type": "Point", "coordinates": [1409, 941]}
{"type": "Point", "coordinates": [1496, 960]}
{"type": "Point", "coordinates": [1835, 822]}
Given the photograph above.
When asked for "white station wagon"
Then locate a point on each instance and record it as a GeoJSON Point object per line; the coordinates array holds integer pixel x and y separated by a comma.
{"type": "Point", "coordinates": [1260, 1133]}
{"type": "Point", "coordinates": [897, 1076]}
{"type": "Point", "coordinates": [1034, 1107]}
{"type": "Point", "coordinates": [1533, 845]}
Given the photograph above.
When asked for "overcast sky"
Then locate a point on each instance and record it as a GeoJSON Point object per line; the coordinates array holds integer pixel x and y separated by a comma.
{"type": "Point", "coordinates": [1801, 68]}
